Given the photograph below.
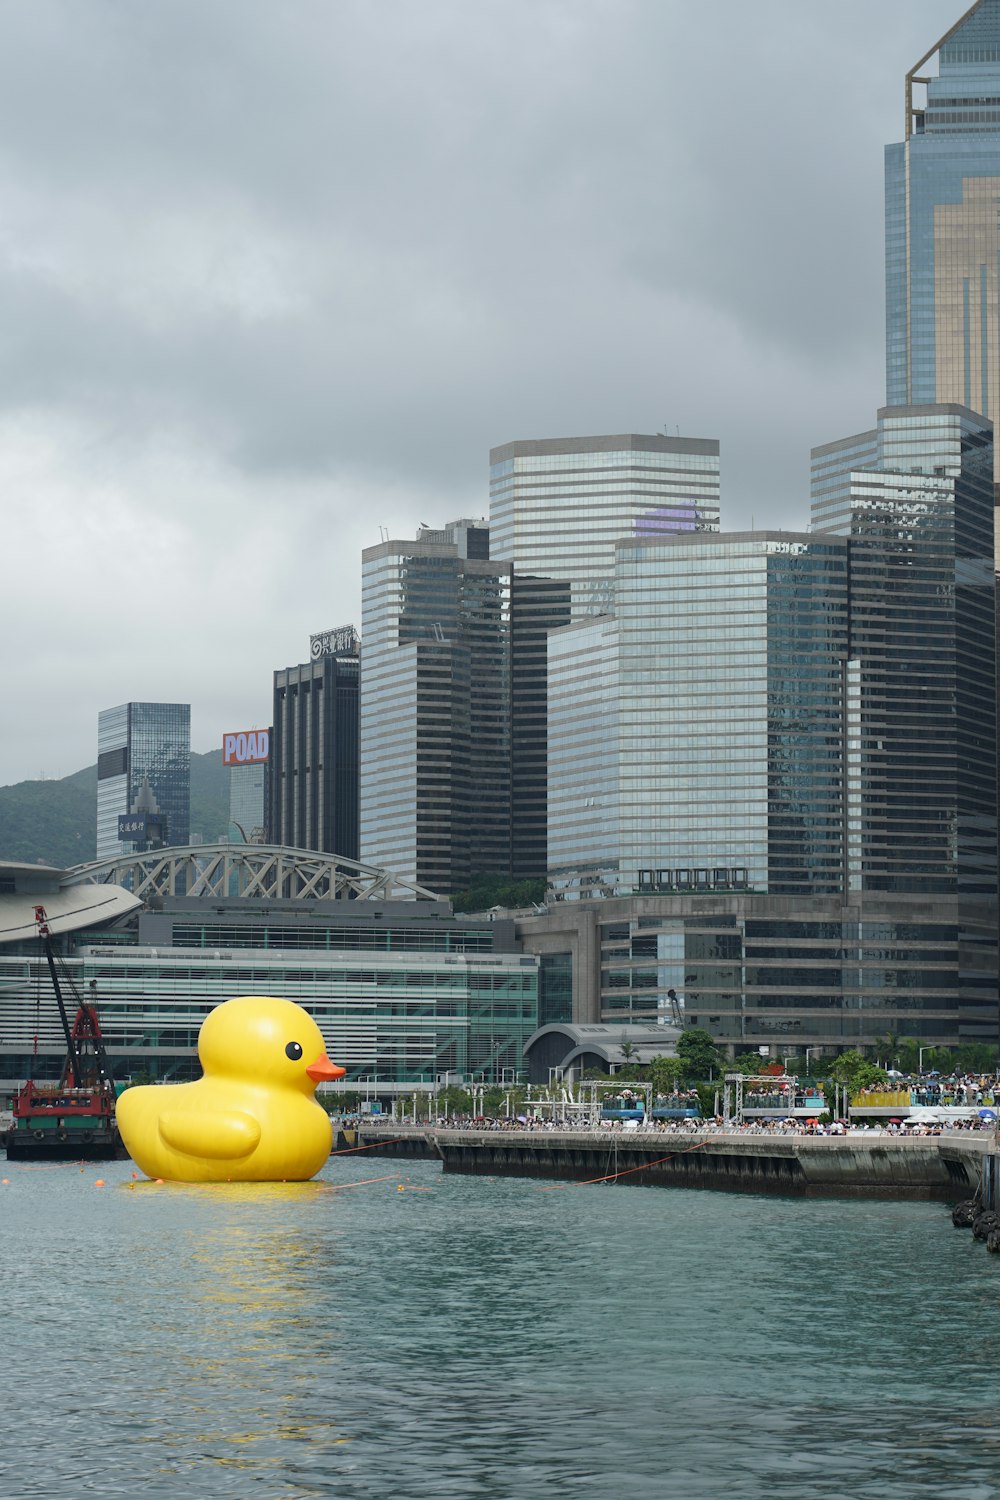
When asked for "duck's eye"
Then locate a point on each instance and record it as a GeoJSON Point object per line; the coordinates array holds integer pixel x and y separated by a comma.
{"type": "Point", "coordinates": [294, 1051]}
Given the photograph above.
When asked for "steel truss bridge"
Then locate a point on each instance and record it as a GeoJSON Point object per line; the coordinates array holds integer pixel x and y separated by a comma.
{"type": "Point", "coordinates": [267, 872]}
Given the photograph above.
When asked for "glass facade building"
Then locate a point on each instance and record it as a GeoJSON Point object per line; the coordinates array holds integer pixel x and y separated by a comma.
{"type": "Point", "coordinates": [942, 229]}
{"type": "Point", "coordinates": [537, 606]}
{"type": "Point", "coordinates": [920, 701]}
{"type": "Point", "coordinates": [402, 994]}
{"type": "Point", "coordinates": [454, 709]}
{"type": "Point", "coordinates": [143, 748]}
{"type": "Point", "coordinates": [585, 687]}
{"type": "Point", "coordinates": [435, 733]}
{"type": "Point", "coordinates": [780, 972]}
{"type": "Point", "coordinates": [559, 505]}
{"type": "Point", "coordinates": [313, 797]}
{"type": "Point", "coordinates": [249, 788]}
{"type": "Point", "coordinates": [722, 675]}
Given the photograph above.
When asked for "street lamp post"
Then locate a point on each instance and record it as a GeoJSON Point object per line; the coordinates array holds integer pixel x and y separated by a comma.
{"type": "Point", "coordinates": [920, 1063]}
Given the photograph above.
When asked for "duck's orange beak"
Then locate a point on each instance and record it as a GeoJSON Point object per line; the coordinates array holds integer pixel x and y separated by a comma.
{"type": "Point", "coordinates": [324, 1071]}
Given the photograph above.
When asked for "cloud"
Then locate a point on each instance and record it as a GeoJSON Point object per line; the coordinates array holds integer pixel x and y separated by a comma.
{"type": "Point", "coordinates": [275, 276]}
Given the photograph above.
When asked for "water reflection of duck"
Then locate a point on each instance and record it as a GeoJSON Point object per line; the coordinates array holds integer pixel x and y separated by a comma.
{"type": "Point", "coordinates": [252, 1117]}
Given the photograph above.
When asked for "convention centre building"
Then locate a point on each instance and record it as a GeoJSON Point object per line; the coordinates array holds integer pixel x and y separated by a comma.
{"type": "Point", "coordinates": [404, 991]}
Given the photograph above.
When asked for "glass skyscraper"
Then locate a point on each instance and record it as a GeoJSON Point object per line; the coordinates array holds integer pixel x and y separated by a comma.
{"type": "Point", "coordinates": [248, 799]}
{"type": "Point", "coordinates": [942, 184]}
{"type": "Point", "coordinates": [915, 499]}
{"type": "Point", "coordinates": [143, 748]}
{"type": "Point", "coordinates": [585, 690]}
{"type": "Point", "coordinates": [559, 505]}
{"type": "Point", "coordinates": [453, 708]}
{"type": "Point", "coordinates": [435, 776]}
{"type": "Point", "coordinates": [313, 793]}
{"type": "Point", "coordinates": [537, 606]}
{"type": "Point", "coordinates": [707, 721]}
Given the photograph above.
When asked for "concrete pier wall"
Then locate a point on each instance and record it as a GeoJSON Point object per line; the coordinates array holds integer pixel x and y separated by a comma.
{"type": "Point", "coordinates": [989, 1191]}
{"type": "Point", "coordinates": [859, 1166]}
{"type": "Point", "coordinates": [383, 1142]}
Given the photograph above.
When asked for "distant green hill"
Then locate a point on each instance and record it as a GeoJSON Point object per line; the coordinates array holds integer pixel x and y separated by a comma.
{"type": "Point", "coordinates": [55, 822]}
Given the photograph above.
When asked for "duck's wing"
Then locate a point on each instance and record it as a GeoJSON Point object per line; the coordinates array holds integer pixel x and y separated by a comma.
{"type": "Point", "coordinates": [220, 1134]}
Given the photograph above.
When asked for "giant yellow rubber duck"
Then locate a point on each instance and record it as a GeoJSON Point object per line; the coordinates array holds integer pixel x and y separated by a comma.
{"type": "Point", "coordinates": [252, 1117]}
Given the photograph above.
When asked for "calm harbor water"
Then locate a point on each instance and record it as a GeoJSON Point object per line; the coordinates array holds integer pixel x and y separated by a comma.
{"type": "Point", "coordinates": [481, 1337]}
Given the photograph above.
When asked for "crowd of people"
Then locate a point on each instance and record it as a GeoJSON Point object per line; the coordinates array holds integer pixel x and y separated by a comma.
{"type": "Point", "coordinates": [691, 1126]}
{"type": "Point", "coordinates": [968, 1090]}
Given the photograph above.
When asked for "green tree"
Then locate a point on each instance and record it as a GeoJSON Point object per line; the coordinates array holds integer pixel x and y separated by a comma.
{"type": "Point", "coordinates": [856, 1071]}
{"type": "Point", "coordinates": [940, 1059]}
{"type": "Point", "coordinates": [454, 1101]}
{"type": "Point", "coordinates": [748, 1063]}
{"type": "Point", "coordinates": [706, 1099]}
{"type": "Point", "coordinates": [887, 1048]}
{"type": "Point", "coordinates": [908, 1053]}
{"type": "Point", "coordinates": [976, 1057]}
{"type": "Point", "coordinates": [665, 1073]}
{"type": "Point", "coordinates": [486, 891]}
{"type": "Point", "coordinates": [699, 1054]}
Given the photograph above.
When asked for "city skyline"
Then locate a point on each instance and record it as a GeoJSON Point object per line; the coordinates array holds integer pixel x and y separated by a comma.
{"type": "Point", "coordinates": [792, 738]}
{"type": "Point", "coordinates": [221, 383]}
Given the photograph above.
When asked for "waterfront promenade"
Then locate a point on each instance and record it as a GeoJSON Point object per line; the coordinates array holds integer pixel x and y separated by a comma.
{"type": "Point", "coordinates": [858, 1163]}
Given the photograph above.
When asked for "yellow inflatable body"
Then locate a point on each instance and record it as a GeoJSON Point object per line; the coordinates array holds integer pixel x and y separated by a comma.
{"type": "Point", "coordinates": [252, 1117]}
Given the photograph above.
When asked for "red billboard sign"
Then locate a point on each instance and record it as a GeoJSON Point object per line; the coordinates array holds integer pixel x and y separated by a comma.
{"type": "Point", "coordinates": [246, 747]}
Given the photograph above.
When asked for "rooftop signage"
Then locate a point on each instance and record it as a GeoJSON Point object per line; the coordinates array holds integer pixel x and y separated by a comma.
{"type": "Point", "coordinates": [246, 747]}
{"type": "Point", "coordinates": [342, 641]}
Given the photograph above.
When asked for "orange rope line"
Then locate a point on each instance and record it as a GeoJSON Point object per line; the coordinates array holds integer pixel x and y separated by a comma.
{"type": "Point", "coordinates": [559, 1186]}
{"type": "Point", "coordinates": [350, 1150]}
{"type": "Point", "coordinates": [338, 1187]}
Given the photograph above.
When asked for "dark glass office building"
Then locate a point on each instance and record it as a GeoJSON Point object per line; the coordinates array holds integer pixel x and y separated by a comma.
{"type": "Point", "coordinates": [143, 763]}
{"type": "Point", "coordinates": [921, 671]}
{"type": "Point", "coordinates": [313, 784]}
{"type": "Point", "coordinates": [453, 709]}
{"type": "Point", "coordinates": [435, 708]}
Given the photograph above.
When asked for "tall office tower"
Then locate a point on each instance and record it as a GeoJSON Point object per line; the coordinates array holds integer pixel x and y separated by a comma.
{"type": "Point", "coordinates": [247, 755]}
{"type": "Point", "coordinates": [942, 230]}
{"type": "Point", "coordinates": [585, 685]}
{"type": "Point", "coordinates": [537, 605]}
{"type": "Point", "coordinates": [143, 763]}
{"type": "Point", "coordinates": [435, 708]}
{"type": "Point", "coordinates": [921, 671]}
{"type": "Point", "coordinates": [695, 739]}
{"type": "Point", "coordinates": [314, 748]}
{"type": "Point", "coordinates": [559, 505]}
{"type": "Point", "coordinates": [920, 791]}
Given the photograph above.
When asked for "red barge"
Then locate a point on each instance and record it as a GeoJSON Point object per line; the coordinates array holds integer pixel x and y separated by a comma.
{"type": "Point", "coordinates": [74, 1118]}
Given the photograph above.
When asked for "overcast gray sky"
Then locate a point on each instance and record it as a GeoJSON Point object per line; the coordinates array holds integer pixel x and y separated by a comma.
{"type": "Point", "coordinates": [278, 273]}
